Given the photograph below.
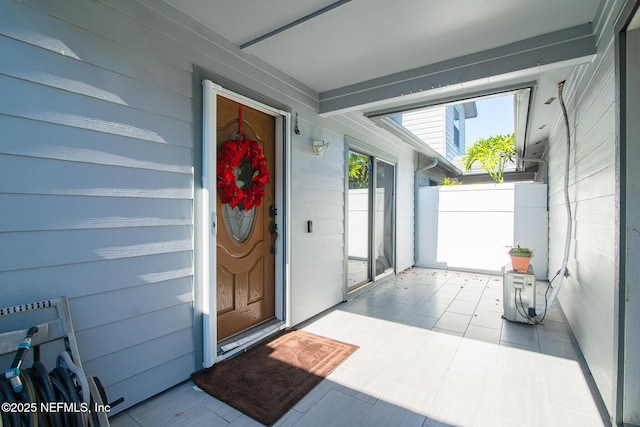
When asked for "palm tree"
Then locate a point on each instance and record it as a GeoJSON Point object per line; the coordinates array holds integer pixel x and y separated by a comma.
{"type": "Point", "coordinates": [358, 170]}
{"type": "Point", "coordinates": [493, 153]}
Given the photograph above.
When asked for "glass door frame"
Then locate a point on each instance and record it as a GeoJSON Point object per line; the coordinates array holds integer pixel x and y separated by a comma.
{"type": "Point", "coordinates": [376, 156]}
{"type": "Point", "coordinates": [365, 254]}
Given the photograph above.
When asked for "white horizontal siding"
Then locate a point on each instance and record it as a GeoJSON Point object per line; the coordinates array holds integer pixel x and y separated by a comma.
{"type": "Point", "coordinates": [588, 294]}
{"type": "Point", "coordinates": [35, 212]}
{"type": "Point", "coordinates": [144, 327]}
{"type": "Point", "coordinates": [137, 358]}
{"type": "Point", "coordinates": [428, 125]}
{"type": "Point", "coordinates": [54, 177]}
{"type": "Point", "coordinates": [96, 189]}
{"type": "Point", "coordinates": [51, 141]}
{"type": "Point", "coordinates": [61, 107]}
{"type": "Point", "coordinates": [105, 275]}
{"type": "Point", "coordinates": [94, 310]}
{"type": "Point", "coordinates": [83, 43]}
{"type": "Point", "coordinates": [80, 77]}
{"type": "Point", "coordinates": [49, 248]}
{"type": "Point", "coordinates": [136, 388]}
{"type": "Point", "coordinates": [317, 195]}
{"type": "Point", "coordinates": [404, 209]}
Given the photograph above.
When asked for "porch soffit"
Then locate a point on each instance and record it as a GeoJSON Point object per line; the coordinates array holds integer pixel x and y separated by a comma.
{"type": "Point", "coordinates": [498, 66]}
{"type": "Point", "coordinates": [363, 56]}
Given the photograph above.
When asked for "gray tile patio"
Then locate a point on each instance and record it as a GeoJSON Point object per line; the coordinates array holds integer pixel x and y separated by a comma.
{"type": "Point", "coordinates": [434, 351]}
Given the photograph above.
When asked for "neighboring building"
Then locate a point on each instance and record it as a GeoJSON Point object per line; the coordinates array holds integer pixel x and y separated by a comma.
{"type": "Point", "coordinates": [442, 127]}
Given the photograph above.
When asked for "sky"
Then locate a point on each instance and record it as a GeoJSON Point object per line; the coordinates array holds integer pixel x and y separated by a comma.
{"type": "Point", "coordinates": [495, 117]}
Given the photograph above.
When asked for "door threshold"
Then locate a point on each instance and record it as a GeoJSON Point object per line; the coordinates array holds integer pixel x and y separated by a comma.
{"type": "Point", "coordinates": [368, 286]}
{"type": "Point", "coordinates": [241, 342]}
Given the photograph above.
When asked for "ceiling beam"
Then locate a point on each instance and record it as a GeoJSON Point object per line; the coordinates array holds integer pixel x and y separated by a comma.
{"type": "Point", "coordinates": [530, 54]}
{"type": "Point", "coordinates": [294, 23]}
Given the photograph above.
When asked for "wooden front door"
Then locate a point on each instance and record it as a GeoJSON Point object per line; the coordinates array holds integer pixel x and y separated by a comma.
{"type": "Point", "coordinates": [245, 259]}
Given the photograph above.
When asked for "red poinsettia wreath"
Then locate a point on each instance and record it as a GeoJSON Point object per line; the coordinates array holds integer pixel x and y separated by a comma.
{"type": "Point", "coordinates": [242, 162]}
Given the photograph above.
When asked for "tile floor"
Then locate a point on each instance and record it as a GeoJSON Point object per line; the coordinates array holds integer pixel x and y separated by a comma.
{"type": "Point", "coordinates": [434, 352]}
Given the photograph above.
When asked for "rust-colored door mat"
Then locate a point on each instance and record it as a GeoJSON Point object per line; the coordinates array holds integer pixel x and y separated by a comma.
{"type": "Point", "coordinates": [268, 380]}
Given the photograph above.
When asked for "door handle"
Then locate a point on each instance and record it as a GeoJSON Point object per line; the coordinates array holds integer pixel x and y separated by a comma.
{"type": "Point", "coordinates": [273, 227]}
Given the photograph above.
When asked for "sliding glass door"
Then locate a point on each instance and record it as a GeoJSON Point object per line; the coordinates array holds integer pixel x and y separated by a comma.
{"type": "Point", "coordinates": [384, 218]}
{"type": "Point", "coordinates": [370, 222]}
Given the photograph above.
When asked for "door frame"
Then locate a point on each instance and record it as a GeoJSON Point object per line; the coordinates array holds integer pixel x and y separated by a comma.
{"type": "Point", "coordinates": [206, 249]}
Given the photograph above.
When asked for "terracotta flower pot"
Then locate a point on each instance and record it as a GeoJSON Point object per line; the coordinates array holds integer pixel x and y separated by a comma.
{"type": "Point", "coordinates": [520, 263]}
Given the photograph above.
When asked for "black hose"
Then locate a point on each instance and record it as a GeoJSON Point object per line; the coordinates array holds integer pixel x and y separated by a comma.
{"type": "Point", "coordinates": [13, 374]}
{"type": "Point", "coordinates": [6, 395]}
{"type": "Point", "coordinates": [44, 385]}
{"type": "Point", "coordinates": [39, 399]}
{"type": "Point", "coordinates": [38, 390]}
{"type": "Point", "coordinates": [65, 379]}
{"type": "Point", "coordinates": [62, 395]}
{"type": "Point", "coordinates": [4, 414]}
{"type": "Point", "coordinates": [29, 395]}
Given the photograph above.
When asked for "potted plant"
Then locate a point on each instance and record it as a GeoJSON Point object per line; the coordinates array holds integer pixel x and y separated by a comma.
{"type": "Point", "coordinates": [520, 258]}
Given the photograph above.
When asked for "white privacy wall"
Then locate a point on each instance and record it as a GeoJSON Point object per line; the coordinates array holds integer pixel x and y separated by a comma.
{"type": "Point", "coordinates": [98, 163]}
{"type": "Point", "coordinates": [471, 227]}
{"type": "Point", "coordinates": [358, 229]}
{"type": "Point", "coordinates": [588, 294]}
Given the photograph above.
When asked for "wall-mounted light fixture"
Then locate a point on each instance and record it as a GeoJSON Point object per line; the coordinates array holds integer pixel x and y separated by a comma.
{"type": "Point", "coordinates": [319, 146]}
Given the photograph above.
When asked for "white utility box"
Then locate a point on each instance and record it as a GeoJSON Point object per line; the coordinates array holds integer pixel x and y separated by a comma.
{"type": "Point", "coordinates": [519, 294]}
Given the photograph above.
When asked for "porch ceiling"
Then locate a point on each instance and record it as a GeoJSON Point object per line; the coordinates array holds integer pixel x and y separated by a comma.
{"type": "Point", "coordinates": [363, 55]}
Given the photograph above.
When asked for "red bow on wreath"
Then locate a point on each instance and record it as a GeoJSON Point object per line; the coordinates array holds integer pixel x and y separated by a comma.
{"type": "Point", "coordinates": [242, 160]}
